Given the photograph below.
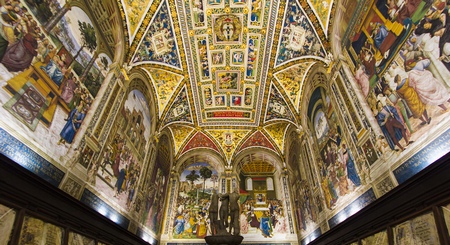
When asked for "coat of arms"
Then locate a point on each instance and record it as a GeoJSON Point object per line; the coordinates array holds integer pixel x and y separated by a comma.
{"type": "Point", "coordinates": [227, 28]}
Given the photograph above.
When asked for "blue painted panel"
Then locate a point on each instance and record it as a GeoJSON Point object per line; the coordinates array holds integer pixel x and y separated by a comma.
{"type": "Point", "coordinates": [103, 208]}
{"type": "Point", "coordinates": [422, 159]}
{"type": "Point", "coordinates": [30, 160]}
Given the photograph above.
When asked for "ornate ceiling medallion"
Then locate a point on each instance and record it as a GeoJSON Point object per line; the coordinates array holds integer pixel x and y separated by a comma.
{"type": "Point", "coordinates": [227, 29]}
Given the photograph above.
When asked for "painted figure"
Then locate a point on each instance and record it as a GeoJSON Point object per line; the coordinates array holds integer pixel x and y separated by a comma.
{"type": "Point", "coordinates": [266, 225]}
{"type": "Point", "coordinates": [410, 96]}
{"type": "Point", "coordinates": [348, 160]}
{"type": "Point", "coordinates": [74, 121]}
{"type": "Point", "coordinates": [390, 124]}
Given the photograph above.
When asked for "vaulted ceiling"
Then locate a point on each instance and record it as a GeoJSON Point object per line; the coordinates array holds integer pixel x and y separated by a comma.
{"type": "Point", "coordinates": [227, 74]}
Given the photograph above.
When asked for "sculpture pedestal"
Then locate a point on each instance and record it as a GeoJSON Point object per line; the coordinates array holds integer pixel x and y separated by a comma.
{"type": "Point", "coordinates": [224, 240]}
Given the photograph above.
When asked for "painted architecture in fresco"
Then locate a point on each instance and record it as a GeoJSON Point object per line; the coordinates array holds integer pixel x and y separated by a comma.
{"type": "Point", "coordinates": [401, 69]}
{"type": "Point", "coordinates": [263, 214]}
{"type": "Point", "coordinates": [243, 85]}
{"type": "Point", "coordinates": [119, 171]}
{"type": "Point", "coordinates": [61, 71]}
{"type": "Point", "coordinates": [155, 189]}
{"type": "Point", "coordinates": [197, 182]}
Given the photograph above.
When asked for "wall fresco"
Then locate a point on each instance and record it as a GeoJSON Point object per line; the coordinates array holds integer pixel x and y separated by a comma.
{"type": "Point", "coordinates": [401, 68]}
{"type": "Point", "coordinates": [263, 213]}
{"type": "Point", "coordinates": [119, 169]}
{"type": "Point", "coordinates": [339, 172]}
{"type": "Point", "coordinates": [50, 73]}
{"type": "Point", "coordinates": [155, 189]}
{"type": "Point", "coordinates": [197, 182]}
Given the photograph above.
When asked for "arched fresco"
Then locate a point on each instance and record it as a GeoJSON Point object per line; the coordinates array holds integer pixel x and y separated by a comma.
{"type": "Point", "coordinates": [365, 122]}
{"type": "Point", "coordinates": [338, 174]}
{"type": "Point", "coordinates": [46, 87]}
{"type": "Point", "coordinates": [401, 68]}
{"type": "Point", "coordinates": [263, 212]}
{"type": "Point", "coordinates": [197, 182]}
{"type": "Point", "coordinates": [119, 169]}
{"type": "Point", "coordinates": [155, 189]}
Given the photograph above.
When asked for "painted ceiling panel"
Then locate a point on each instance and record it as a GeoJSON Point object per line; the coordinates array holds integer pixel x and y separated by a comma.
{"type": "Point", "coordinates": [277, 131]}
{"type": "Point", "coordinates": [292, 80]}
{"type": "Point", "coordinates": [277, 107]}
{"type": "Point", "coordinates": [255, 159]}
{"type": "Point", "coordinates": [257, 167]}
{"type": "Point", "coordinates": [297, 37]}
{"type": "Point", "coordinates": [224, 53]}
{"type": "Point", "coordinates": [322, 9]}
{"type": "Point", "coordinates": [180, 134]}
{"type": "Point", "coordinates": [159, 44]}
{"type": "Point", "coordinates": [227, 40]}
{"type": "Point", "coordinates": [135, 11]}
{"type": "Point", "coordinates": [180, 110]}
{"type": "Point", "coordinates": [165, 84]}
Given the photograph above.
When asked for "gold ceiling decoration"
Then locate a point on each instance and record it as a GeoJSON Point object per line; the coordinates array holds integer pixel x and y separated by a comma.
{"type": "Point", "coordinates": [224, 55]}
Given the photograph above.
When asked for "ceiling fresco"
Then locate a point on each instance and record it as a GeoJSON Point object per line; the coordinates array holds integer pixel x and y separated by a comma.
{"type": "Point", "coordinates": [135, 12]}
{"type": "Point", "coordinates": [257, 163]}
{"type": "Point", "coordinates": [277, 108]}
{"type": "Point", "coordinates": [227, 67]}
{"type": "Point", "coordinates": [180, 110]}
{"type": "Point", "coordinates": [257, 139]}
{"type": "Point", "coordinates": [292, 78]}
{"type": "Point", "coordinates": [180, 133]}
{"type": "Point", "coordinates": [159, 44]}
{"type": "Point", "coordinates": [200, 140]}
{"type": "Point", "coordinates": [277, 132]}
{"type": "Point", "coordinates": [165, 84]}
{"type": "Point", "coordinates": [228, 140]}
{"type": "Point", "coordinates": [323, 11]}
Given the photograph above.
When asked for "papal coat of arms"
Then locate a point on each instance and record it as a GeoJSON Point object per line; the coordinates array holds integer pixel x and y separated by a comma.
{"type": "Point", "coordinates": [297, 38]}
{"type": "Point", "coordinates": [228, 28]}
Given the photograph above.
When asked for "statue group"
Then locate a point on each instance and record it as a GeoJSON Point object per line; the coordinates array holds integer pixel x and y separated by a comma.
{"type": "Point", "coordinates": [219, 217]}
